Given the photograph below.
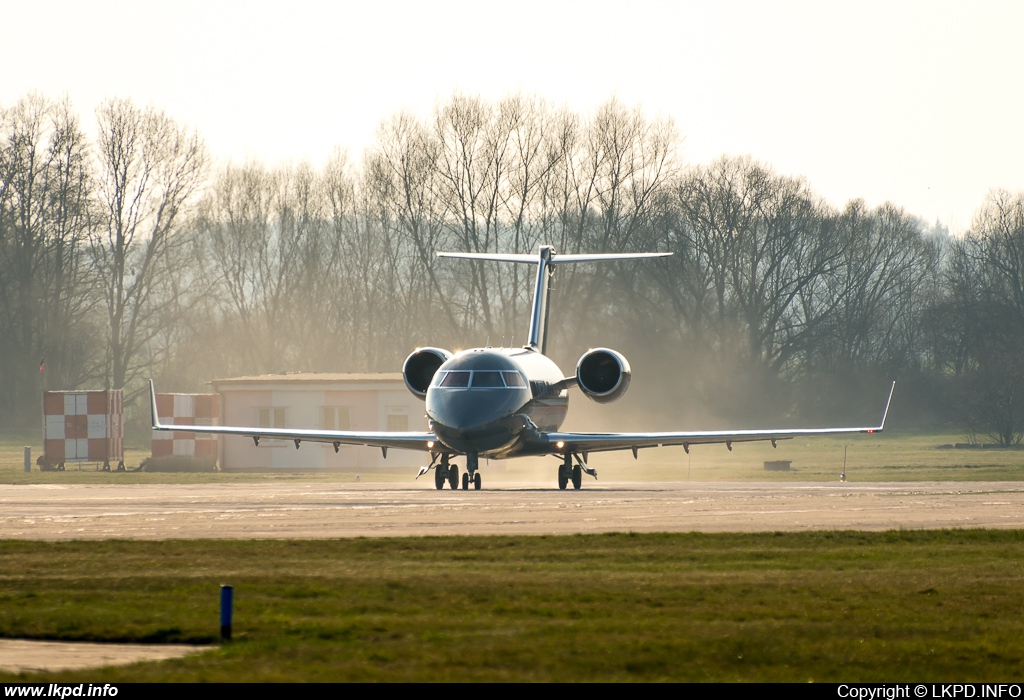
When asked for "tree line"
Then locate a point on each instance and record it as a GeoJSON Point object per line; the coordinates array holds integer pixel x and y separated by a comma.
{"type": "Point", "coordinates": [129, 256]}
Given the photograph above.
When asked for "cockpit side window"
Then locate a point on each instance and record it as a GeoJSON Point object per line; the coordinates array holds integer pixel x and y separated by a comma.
{"type": "Point", "coordinates": [438, 378]}
{"type": "Point", "coordinates": [456, 378]}
{"type": "Point", "coordinates": [513, 379]}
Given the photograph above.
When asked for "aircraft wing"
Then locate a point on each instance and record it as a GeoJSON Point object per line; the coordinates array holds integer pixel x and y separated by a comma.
{"type": "Point", "coordinates": [382, 439]}
{"type": "Point", "coordinates": [604, 442]}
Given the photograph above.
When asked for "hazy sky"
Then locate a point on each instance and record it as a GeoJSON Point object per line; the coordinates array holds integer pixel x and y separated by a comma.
{"type": "Point", "coordinates": [920, 103]}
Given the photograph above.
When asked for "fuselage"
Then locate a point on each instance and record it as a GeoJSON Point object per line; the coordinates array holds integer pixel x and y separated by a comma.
{"type": "Point", "coordinates": [490, 401]}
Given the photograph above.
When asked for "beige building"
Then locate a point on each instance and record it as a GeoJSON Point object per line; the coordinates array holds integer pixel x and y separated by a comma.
{"type": "Point", "coordinates": [363, 402]}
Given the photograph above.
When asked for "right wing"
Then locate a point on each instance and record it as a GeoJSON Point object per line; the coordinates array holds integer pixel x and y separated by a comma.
{"type": "Point", "coordinates": [383, 439]}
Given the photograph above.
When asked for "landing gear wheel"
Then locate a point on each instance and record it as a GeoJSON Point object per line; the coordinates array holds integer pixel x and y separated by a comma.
{"type": "Point", "coordinates": [563, 478]}
{"type": "Point", "coordinates": [465, 481]}
{"type": "Point", "coordinates": [577, 477]}
{"type": "Point", "coordinates": [453, 477]}
{"type": "Point", "coordinates": [476, 481]}
{"type": "Point", "coordinates": [439, 478]}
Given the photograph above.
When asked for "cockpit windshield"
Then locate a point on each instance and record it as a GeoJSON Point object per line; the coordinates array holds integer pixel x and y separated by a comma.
{"type": "Point", "coordinates": [487, 378]}
{"type": "Point", "coordinates": [479, 379]}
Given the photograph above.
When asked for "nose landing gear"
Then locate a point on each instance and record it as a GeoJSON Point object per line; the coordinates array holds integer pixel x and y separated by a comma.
{"type": "Point", "coordinates": [471, 475]}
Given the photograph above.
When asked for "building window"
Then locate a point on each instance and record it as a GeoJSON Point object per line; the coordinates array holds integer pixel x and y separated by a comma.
{"type": "Point", "coordinates": [271, 417]}
{"type": "Point", "coordinates": [335, 418]}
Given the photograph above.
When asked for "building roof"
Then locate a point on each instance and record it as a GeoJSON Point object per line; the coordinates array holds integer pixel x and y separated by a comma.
{"type": "Point", "coordinates": [311, 378]}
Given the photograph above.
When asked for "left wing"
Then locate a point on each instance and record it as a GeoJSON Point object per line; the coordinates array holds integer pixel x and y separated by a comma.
{"type": "Point", "coordinates": [382, 439]}
{"type": "Point", "coordinates": [604, 442]}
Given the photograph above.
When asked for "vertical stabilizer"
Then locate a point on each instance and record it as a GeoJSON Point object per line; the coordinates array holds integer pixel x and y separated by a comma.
{"type": "Point", "coordinates": [538, 338]}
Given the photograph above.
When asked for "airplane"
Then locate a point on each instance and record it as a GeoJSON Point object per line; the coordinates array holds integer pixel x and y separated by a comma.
{"type": "Point", "coordinates": [500, 403]}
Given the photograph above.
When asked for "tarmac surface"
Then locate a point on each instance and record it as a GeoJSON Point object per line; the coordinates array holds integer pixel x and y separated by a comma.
{"type": "Point", "coordinates": [315, 510]}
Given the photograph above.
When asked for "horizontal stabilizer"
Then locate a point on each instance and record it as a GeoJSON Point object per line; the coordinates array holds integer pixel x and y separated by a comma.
{"type": "Point", "coordinates": [556, 258]}
{"type": "Point", "coordinates": [496, 257]}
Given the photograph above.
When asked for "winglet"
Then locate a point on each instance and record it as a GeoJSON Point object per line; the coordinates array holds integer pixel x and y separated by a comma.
{"type": "Point", "coordinates": [881, 426]}
{"type": "Point", "coordinates": [154, 414]}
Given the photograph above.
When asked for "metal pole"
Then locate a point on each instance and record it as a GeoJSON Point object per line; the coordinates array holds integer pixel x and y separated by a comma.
{"type": "Point", "coordinates": [28, 458]}
{"type": "Point", "coordinates": [226, 603]}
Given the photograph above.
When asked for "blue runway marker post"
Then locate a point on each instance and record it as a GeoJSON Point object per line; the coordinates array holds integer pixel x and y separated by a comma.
{"type": "Point", "coordinates": [227, 595]}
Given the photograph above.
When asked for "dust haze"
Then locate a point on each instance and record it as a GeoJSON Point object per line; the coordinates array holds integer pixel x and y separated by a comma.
{"type": "Point", "coordinates": [776, 309]}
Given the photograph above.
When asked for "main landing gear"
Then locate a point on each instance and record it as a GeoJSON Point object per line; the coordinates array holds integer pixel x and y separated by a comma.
{"type": "Point", "coordinates": [447, 472]}
{"type": "Point", "coordinates": [568, 471]}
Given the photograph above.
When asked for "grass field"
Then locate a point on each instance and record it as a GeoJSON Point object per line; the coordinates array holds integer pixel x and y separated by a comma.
{"type": "Point", "coordinates": [893, 456]}
{"type": "Point", "coordinates": [940, 606]}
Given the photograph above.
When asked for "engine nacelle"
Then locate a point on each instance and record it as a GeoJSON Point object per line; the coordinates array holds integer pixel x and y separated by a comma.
{"type": "Point", "coordinates": [421, 366]}
{"type": "Point", "coordinates": [602, 374]}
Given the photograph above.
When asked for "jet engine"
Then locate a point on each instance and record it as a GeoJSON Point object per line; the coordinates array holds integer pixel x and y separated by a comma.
{"type": "Point", "coordinates": [420, 367]}
{"type": "Point", "coordinates": [602, 374]}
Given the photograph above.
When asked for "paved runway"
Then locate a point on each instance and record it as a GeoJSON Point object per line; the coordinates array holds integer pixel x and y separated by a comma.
{"type": "Point", "coordinates": [317, 510]}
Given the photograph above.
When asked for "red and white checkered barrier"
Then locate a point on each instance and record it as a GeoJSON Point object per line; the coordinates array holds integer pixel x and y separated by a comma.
{"type": "Point", "coordinates": [83, 426]}
{"type": "Point", "coordinates": [186, 409]}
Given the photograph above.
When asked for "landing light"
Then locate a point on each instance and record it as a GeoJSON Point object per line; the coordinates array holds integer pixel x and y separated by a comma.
{"type": "Point", "coordinates": [430, 444]}
{"type": "Point", "coordinates": [559, 444]}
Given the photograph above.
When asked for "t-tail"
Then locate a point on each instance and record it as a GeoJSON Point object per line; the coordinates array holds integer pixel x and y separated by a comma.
{"type": "Point", "coordinates": [545, 260]}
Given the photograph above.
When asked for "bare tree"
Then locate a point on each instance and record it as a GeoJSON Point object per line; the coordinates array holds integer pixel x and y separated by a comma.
{"type": "Point", "coordinates": [45, 286]}
{"type": "Point", "coordinates": [474, 153]}
{"type": "Point", "coordinates": [148, 170]}
{"type": "Point", "coordinates": [874, 299]}
{"type": "Point", "coordinates": [525, 214]}
{"type": "Point", "coordinates": [986, 297]}
{"type": "Point", "coordinates": [607, 187]}
{"type": "Point", "coordinates": [400, 183]}
{"type": "Point", "coordinates": [749, 243]}
{"type": "Point", "coordinates": [253, 227]}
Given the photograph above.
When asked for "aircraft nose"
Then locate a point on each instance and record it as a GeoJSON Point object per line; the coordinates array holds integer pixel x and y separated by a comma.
{"type": "Point", "coordinates": [471, 410]}
{"type": "Point", "coordinates": [478, 420]}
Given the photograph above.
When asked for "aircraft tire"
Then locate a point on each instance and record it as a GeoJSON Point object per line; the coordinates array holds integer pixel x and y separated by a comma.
{"type": "Point", "coordinates": [439, 478]}
{"type": "Point", "coordinates": [577, 477]}
{"type": "Point", "coordinates": [465, 481]}
{"type": "Point", "coordinates": [453, 477]}
{"type": "Point", "coordinates": [563, 480]}
{"type": "Point", "coordinates": [476, 481]}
